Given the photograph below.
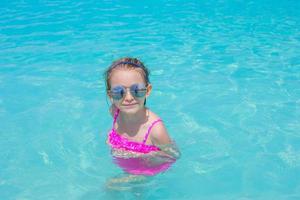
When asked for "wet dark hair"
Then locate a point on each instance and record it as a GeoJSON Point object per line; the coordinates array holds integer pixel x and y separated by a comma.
{"type": "Point", "coordinates": [127, 63]}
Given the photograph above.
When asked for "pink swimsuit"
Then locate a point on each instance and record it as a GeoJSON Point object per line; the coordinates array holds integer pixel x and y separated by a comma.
{"type": "Point", "coordinates": [119, 142]}
{"type": "Point", "coordinates": [136, 165]}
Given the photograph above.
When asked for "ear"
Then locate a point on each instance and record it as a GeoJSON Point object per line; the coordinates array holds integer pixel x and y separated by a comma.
{"type": "Point", "coordinates": [149, 88]}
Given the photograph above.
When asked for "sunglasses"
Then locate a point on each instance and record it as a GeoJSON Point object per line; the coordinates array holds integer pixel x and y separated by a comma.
{"type": "Point", "coordinates": [136, 90]}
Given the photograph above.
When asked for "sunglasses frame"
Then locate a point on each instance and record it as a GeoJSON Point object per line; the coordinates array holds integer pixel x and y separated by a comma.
{"type": "Point", "coordinates": [132, 90]}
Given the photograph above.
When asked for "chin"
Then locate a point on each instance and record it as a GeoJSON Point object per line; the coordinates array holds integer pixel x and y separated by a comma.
{"type": "Point", "coordinates": [130, 110]}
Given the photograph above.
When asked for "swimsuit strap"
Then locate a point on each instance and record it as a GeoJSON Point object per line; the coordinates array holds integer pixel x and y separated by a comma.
{"type": "Point", "coordinates": [116, 114]}
{"type": "Point", "coordinates": [149, 129]}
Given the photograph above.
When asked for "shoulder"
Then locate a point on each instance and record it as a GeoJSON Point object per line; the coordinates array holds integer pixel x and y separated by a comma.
{"type": "Point", "coordinates": [158, 133]}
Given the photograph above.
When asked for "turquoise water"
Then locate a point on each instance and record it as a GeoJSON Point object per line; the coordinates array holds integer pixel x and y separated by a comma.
{"type": "Point", "coordinates": [226, 80]}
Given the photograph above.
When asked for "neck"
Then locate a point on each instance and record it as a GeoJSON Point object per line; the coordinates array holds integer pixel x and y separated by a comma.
{"type": "Point", "coordinates": [136, 118]}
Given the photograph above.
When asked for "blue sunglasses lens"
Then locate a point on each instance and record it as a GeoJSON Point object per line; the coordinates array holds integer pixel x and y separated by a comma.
{"type": "Point", "coordinates": [138, 90]}
{"type": "Point", "coordinates": [117, 92]}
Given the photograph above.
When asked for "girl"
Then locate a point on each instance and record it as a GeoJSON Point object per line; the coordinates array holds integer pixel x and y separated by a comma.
{"type": "Point", "coordinates": [136, 131]}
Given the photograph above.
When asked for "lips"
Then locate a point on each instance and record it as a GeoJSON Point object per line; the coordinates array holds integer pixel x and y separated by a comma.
{"type": "Point", "coordinates": [129, 105]}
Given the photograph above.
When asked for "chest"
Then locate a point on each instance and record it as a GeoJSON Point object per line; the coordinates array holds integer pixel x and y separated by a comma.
{"type": "Point", "coordinates": [136, 134]}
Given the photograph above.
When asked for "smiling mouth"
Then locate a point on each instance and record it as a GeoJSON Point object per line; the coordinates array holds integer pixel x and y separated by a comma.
{"type": "Point", "coordinates": [129, 104]}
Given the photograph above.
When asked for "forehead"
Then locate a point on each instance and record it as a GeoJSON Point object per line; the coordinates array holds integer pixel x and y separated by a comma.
{"type": "Point", "coordinates": [126, 77]}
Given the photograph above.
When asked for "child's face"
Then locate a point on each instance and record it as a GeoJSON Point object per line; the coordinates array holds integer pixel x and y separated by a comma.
{"type": "Point", "coordinates": [128, 78]}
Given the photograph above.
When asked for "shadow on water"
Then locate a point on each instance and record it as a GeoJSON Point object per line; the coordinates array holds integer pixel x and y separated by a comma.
{"type": "Point", "coordinates": [128, 185]}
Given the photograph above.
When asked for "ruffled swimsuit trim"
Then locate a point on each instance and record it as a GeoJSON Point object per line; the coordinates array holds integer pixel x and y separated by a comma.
{"type": "Point", "coordinates": [119, 142]}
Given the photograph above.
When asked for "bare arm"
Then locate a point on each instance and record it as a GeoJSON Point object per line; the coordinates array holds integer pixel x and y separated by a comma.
{"type": "Point", "coordinates": [160, 137]}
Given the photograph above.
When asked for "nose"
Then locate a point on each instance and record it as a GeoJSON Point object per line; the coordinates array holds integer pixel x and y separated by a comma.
{"type": "Point", "coordinates": [128, 96]}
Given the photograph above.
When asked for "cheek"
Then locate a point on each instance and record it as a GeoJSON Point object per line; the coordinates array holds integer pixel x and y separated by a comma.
{"type": "Point", "coordinates": [142, 101]}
